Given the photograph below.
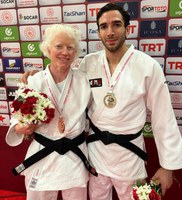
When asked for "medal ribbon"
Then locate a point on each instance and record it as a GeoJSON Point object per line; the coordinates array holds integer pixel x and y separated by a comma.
{"type": "Point", "coordinates": [111, 86]}
{"type": "Point", "coordinates": [66, 96]}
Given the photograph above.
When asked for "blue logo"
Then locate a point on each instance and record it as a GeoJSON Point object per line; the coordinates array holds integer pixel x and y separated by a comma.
{"type": "Point", "coordinates": [174, 47]}
{"type": "Point", "coordinates": [154, 28]}
{"type": "Point", "coordinates": [12, 65]}
{"type": "Point", "coordinates": [131, 8]}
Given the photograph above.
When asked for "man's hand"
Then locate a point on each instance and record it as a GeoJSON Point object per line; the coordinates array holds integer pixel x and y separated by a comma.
{"type": "Point", "coordinates": [26, 75]}
{"type": "Point", "coordinates": [165, 178]}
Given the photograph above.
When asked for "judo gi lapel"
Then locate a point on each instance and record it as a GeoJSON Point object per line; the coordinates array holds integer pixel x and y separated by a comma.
{"type": "Point", "coordinates": [58, 98]}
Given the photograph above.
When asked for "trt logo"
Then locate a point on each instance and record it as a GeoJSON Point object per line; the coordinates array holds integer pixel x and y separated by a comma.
{"type": "Point", "coordinates": [153, 47]}
{"type": "Point", "coordinates": [174, 65]}
{"type": "Point", "coordinates": [93, 9]}
{"type": "Point", "coordinates": [133, 29]}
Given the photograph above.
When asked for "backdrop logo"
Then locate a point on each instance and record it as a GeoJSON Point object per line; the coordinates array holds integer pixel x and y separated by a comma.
{"type": "Point", "coordinates": [50, 14]}
{"type": "Point", "coordinates": [4, 107]}
{"type": "Point", "coordinates": [10, 49]}
{"type": "Point", "coordinates": [12, 78]}
{"type": "Point", "coordinates": [11, 93]}
{"type": "Point", "coordinates": [7, 3]}
{"type": "Point", "coordinates": [178, 115]}
{"type": "Point", "coordinates": [92, 31]}
{"type": "Point", "coordinates": [12, 65]}
{"type": "Point", "coordinates": [32, 64]}
{"type": "Point", "coordinates": [81, 27]}
{"type": "Point", "coordinates": [4, 120]}
{"type": "Point", "coordinates": [131, 8]}
{"type": "Point", "coordinates": [153, 47]}
{"type": "Point", "coordinates": [175, 28]}
{"type": "Point", "coordinates": [174, 47]}
{"type": "Point", "coordinates": [3, 93]}
{"type": "Point", "coordinates": [30, 33]}
{"type": "Point", "coordinates": [175, 8]}
{"type": "Point", "coordinates": [27, 17]}
{"type": "Point", "coordinates": [23, 3]}
{"type": "Point", "coordinates": [75, 13]}
{"type": "Point", "coordinates": [31, 49]}
{"type": "Point", "coordinates": [155, 28]}
{"type": "Point", "coordinates": [154, 9]}
{"type": "Point", "coordinates": [8, 17]}
{"type": "Point", "coordinates": [176, 99]}
{"type": "Point", "coordinates": [9, 33]}
{"type": "Point", "coordinates": [174, 65]}
{"type": "Point", "coordinates": [133, 29]}
{"type": "Point", "coordinates": [92, 10]}
{"type": "Point", "coordinates": [174, 83]}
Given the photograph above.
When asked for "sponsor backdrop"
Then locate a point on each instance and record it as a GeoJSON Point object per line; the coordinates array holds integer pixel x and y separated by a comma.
{"type": "Point", "coordinates": [156, 29]}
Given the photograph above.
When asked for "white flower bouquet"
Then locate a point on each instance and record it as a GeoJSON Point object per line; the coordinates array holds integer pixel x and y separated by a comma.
{"type": "Point", "coordinates": [146, 191]}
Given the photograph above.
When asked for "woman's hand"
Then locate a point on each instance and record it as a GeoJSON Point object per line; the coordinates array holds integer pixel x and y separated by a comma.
{"type": "Point", "coordinates": [26, 130]}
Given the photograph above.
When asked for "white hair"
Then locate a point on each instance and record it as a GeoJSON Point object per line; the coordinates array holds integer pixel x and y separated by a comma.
{"type": "Point", "coordinates": [52, 31]}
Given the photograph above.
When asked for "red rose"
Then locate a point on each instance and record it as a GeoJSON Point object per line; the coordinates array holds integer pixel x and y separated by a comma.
{"type": "Point", "coordinates": [153, 195]}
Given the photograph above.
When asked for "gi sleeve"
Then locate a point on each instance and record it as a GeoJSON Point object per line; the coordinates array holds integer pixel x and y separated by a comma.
{"type": "Point", "coordinates": [164, 125]}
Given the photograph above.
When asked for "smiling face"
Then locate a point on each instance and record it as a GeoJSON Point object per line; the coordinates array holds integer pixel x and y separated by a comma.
{"type": "Point", "coordinates": [62, 51]}
{"type": "Point", "coordinates": [112, 31]}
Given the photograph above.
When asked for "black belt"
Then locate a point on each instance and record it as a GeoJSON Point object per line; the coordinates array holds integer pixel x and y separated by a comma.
{"type": "Point", "coordinates": [61, 146]}
{"type": "Point", "coordinates": [122, 140]}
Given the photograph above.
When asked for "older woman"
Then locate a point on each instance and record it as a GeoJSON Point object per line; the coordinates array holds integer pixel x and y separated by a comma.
{"type": "Point", "coordinates": [63, 169]}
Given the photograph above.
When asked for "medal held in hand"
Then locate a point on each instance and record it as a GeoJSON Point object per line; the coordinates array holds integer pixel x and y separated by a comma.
{"type": "Point", "coordinates": [110, 100]}
{"type": "Point", "coordinates": [61, 125]}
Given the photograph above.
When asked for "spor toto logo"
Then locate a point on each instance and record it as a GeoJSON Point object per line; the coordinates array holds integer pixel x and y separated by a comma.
{"type": "Point", "coordinates": [7, 17]}
{"type": "Point", "coordinates": [31, 47]}
{"type": "Point", "coordinates": [8, 31]}
{"type": "Point", "coordinates": [29, 32]}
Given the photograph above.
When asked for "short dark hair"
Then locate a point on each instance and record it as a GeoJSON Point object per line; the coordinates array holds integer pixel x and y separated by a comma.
{"type": "Point", "coordinates": [112, 6]}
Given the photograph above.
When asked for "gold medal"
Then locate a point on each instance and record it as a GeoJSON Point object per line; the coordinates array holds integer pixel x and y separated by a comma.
{"type": "Point", "coordinates": [61, 125]}
{"type": "Point", "coordinates": [110, 100]}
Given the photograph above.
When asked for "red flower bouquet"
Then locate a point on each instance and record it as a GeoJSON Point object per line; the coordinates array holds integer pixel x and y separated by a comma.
{"type": "Point", "coordinates": [146, 191]}
{"type": "Point", "coordinates": [32, 107]}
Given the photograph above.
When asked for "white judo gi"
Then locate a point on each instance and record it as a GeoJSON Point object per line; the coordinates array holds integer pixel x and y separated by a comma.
{"type": "Point", "coordinates": [138, 82]}
{"type": "Point", "coordinates": [58, 172]}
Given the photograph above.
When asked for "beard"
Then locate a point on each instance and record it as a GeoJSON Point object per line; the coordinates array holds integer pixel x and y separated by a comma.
{"type": "Point", "coordinates": [115, 47]}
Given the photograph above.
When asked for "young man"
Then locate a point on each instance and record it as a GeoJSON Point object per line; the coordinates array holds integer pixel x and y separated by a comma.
{"type": "Point", "coordinates": [125, 82]}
